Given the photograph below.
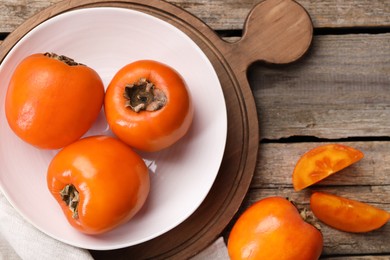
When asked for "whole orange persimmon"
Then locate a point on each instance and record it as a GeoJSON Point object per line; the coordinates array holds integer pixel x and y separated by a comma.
{"type": "Point", "coordinates": [52, 100]}
{"type": "Point", "coordinates": [148, 105]}
{"type": "Point", "coordinates": [273, 229]}
{"type": "Point", "coordinates": [99, 182]}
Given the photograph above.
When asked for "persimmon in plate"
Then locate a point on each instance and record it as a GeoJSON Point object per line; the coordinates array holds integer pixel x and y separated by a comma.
{"type": "Point", "coordinates": [321, 162]}
{"type": "Point", "coordinates": [99, 182]}
{"type": "Point", "coordinates": [52, 100]}
{"type": "Point", "coordinates": [148, 105]}
{"type": "Point", "coordinates": [346, 214]}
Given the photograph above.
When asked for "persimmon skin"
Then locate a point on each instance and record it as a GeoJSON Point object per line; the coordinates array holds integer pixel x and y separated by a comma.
{"type": "Point", "coordinates": [149, 131]}
{"type": "Point", "coordinates": [112, 180]}
{"type": "Point", "coordinates": [50, 104]}
{"type": "Point", "coordinates": [272, 228]}
{"type": "Point", "coordinates": [321, 162]}
{"type": "Point", "coordinates": [346, 214]}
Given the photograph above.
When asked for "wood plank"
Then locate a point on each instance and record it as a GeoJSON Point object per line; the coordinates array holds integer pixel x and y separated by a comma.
{"type": "Point", "coordinates": [377, 196]}
{"type": "Point", "coordinates": [344, 80]}
{"type": "Point", "coordinates": [328, 13]}
{"type": "Point", "coordinates": [336, 242]}
{"type": "Point", "coordinates": [325, 14]}
{"type": "Point", "coordinates": [367, 180]}
{"type": "Point", "coordinates": [276, 163]}
{"type": "Point", "coordinates": [367, 257]}
{"type": "Point", "coordinates": [15, 12]}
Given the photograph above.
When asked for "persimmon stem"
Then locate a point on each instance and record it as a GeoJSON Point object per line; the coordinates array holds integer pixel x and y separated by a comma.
{"type": "Point", "coordinates": [306, 215]}
{"type": "Point", "coordinates": [64, 59]}
{"type": "Point", "coordinates": [70, 196]}
{"type": "Point", "coordinates": [143, 95]}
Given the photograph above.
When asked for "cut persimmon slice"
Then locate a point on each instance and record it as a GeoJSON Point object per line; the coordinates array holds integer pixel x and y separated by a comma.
{"type": "Point", "coordinates": [322, 161]}
{"type": "Point", "coordinates": [346, 214]}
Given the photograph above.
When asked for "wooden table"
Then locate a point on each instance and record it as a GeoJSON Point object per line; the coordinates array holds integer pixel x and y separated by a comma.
{"type": "Point", "coordinates": [339, 92]}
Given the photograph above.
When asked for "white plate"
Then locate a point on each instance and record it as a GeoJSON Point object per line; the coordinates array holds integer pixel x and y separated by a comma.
{"type": "Point", "coordinates": [106, 39]}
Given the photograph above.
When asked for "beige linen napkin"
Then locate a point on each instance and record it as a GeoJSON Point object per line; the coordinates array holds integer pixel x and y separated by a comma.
{"type": "Point", "coordinates": [20, 240]}
{"type": "Point", "coordinates": [216, 251]}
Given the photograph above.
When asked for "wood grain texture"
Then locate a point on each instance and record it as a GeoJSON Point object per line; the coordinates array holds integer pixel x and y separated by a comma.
{"type": "Point", "coordinates": [340, 89]}
{"type": "Point", "coordinates": [328, 13]}
{"type": "Point", "coordinates": [277, 161]}
{"type": "Point", "coordinates": [376, 257]}
{"type": "Point", "coordinates": [338, 242]}
{"type": "Point", "coordinates": [278, 32]}
{"type": "Point", "coordinates": [231, 14]}
{"type": "Point", "coordinates": [367, 181]}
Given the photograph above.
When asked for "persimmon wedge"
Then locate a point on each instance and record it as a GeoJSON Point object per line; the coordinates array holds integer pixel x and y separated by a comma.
{"type": "Point", "coordinates": [321, 162]}
{"type": "Point", "coordinates": [346, 214]}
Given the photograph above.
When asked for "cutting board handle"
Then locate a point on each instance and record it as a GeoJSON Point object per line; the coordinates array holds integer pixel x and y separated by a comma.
{"type": "Point", "coordinates": [275, 31]}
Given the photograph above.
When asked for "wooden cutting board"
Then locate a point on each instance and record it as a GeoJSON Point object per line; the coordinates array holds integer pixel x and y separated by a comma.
{"type": "Point", "coordinates": [276, 31]}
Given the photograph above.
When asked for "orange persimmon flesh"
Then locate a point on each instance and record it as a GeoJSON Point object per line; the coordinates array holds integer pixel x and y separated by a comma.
{"type": "Point", "coordinates": [346, 214]}
{"type": "Point", "coordinates": [322, 161]}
